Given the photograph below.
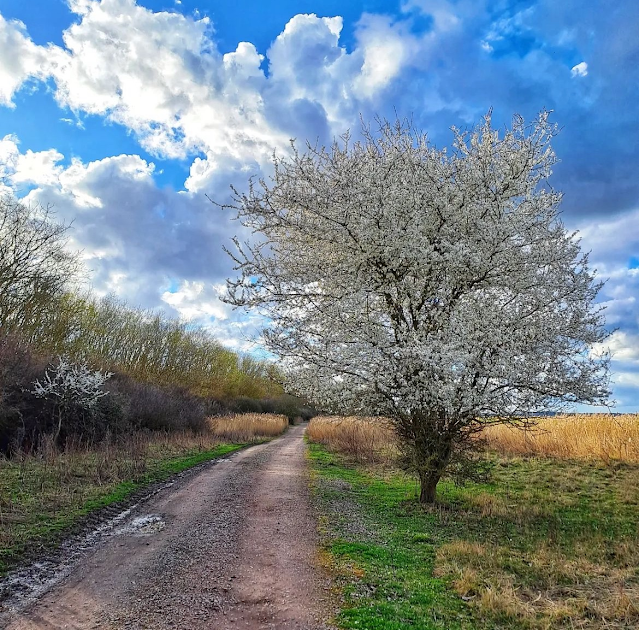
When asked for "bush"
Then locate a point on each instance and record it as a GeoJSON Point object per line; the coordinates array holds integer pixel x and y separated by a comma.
{"type": "Point", "coordinates": [73, 390]}
{"type": "Point", "coordinates": [155, 408]}
{"type": "Point", "coordinates": [244, 404]}
{"type": "Point", "coordinates": [293, 408]}
{"type": "Point", "coordinates": [22, 417]}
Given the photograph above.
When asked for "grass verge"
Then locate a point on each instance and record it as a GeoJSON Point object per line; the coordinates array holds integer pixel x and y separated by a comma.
{"type": "Point", "coordinates": [549, 544]}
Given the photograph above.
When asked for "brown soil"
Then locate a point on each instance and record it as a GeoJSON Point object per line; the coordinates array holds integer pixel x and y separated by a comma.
{"type": "Point", "coordinates": [232, 547]}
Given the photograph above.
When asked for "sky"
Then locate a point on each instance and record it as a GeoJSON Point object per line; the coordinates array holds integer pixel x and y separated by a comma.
{"type": "Point", "coordinates": [125, 115]}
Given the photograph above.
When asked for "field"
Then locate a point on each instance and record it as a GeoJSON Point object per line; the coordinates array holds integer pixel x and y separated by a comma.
{"type": "Point", "coordinates": [43, 494]}
{"type": "Point", "coordinates": [603, 437]}
{"type": "Point", "coordinates": [551, 542]}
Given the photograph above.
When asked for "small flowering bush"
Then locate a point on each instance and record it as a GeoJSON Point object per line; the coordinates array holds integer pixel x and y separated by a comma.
{"type": "Point", "coordinates": [67, 384]}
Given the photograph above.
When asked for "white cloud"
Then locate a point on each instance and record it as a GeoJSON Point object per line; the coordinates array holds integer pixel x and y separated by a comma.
{"type": "Point", "coordinates": [611, 239]}
{"type": "Point", "coordinates": [386, 51]}
{"type": "Point", "coordinates": [624, 346]}
{"type": "Point", "coordinates": [628, 379]}
{"type": "Point", "coordinates": [133, 236]}
{"type": "Point", "coordinates": [307, 62]}
{"type": "Point", "coordinates": [20, 59]}
{"type": "Point", "coordinates": [198, 301]}
{"type": "Point", "coordinates": [37, 167]}
{"type": "Point", "coordinates": [9, 155]}
{"type": "Point", "coordinates": [580, 70]}
{"type": "Point", "coordinates": [161, 75]}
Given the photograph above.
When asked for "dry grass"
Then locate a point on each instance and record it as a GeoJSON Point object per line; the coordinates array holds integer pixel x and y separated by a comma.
{"type": "Point", "coordinates": [366, 440]}
{"type": "Point", "coordinates": [569, 591]}
{"type": "Point", "coordinates": [248, 426]}
{"type": "Point", "coordinates": [580, 436]}
{"type": "Point", "coordinates": [604, 437]}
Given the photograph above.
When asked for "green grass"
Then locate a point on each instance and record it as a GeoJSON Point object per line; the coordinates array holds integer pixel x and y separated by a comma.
{"type": "Point", "coordinates": [41, 501]}
{"type": "Point", "coordinates": [547, 544]}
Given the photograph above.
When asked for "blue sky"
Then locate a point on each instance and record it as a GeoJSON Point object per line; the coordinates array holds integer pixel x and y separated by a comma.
{"type": "Point", "coordinates": [126, 114]}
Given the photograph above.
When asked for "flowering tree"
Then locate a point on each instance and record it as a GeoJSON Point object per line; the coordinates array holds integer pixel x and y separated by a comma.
{"type": "Point", "coordinates": [438, 288]}
{"type": "Point", "coordinates": [68, 384]}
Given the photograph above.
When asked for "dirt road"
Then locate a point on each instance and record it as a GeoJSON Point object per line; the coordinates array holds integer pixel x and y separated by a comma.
{"type": "Point", "coordinates": [232, 547]}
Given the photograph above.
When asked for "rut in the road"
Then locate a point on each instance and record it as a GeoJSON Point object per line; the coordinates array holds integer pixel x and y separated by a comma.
{"type": "Point", "coordinates": [234, 547]}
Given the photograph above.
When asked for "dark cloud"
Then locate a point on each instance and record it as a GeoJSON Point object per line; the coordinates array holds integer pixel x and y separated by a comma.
{"type": "Point", "coordinates": [517, 58]}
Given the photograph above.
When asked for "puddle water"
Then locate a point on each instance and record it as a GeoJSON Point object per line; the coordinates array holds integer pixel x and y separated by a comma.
{"type": "Point", "coordinates": [143, 525]}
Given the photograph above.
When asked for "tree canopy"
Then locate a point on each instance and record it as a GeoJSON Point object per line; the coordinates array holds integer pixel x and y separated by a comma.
{"type": "Point", "coordinates": [436, 287]}
{"type": "Point", "coordinates": [35, 265]}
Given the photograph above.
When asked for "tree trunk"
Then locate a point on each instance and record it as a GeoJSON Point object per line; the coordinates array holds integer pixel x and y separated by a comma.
{"type": "Point", "coordinates": [59, 427]}
{"type": "Point", "coordinates": [428, 440]}
{"type": "Point", "coordinates": [428, 481]}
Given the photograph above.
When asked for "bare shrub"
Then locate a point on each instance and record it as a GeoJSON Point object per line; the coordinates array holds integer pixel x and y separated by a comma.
{"type": "Point", "coordinates": [155, 408]}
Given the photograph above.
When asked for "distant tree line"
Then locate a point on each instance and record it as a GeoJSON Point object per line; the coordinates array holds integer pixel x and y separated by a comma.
{"type": "Point", "coordinates": [163, 374]}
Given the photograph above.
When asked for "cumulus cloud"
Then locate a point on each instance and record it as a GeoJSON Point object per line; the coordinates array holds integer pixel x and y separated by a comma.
{"type": "Point", "coordinates": [9, 155]}
{"type": "Point", "coordinates": [200, 302]}
{"type": "Point", "coordinates": [40, 167]}
{"type": "Point", "coordinates": [20, 59]}
{"type": "Point", "coordinates": [580, 70]}
{"type": "Point", "coordinates": [624, 347]}
{"type": "Point", "coordinates": [134, 236]}
{"type": "Point", "coordinates": [161, 75]}
{"type": "Point", "coordinates": [387, 49]}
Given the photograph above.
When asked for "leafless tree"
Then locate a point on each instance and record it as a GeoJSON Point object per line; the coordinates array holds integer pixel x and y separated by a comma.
{"type": "Point", "coordinates": [35, 265]}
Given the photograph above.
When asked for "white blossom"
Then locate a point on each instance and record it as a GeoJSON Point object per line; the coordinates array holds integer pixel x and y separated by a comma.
{"type": "Point", "coordinates": [71, 383]}
{"type": "Point", "coordinates": [436, 287]}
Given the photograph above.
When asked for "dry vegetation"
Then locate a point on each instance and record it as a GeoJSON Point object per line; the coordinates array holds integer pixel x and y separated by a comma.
{"type": "Point", "coordinates": [581, 436]}
{"type": "Point", "coordinates": [562, 590]}
{"type": "Point", "coordinates": [604, 437]}
{"type": "Point", "coordinates": [364, 439]}
{"type": "Point", "coordinates": [248, 426]}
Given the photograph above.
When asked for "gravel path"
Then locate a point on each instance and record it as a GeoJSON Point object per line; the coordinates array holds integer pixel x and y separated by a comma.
{"type": "Point", "coordinates": [232, 547]}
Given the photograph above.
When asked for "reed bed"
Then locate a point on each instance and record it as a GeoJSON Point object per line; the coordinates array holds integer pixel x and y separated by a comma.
{"type": "Point", "coordinates": [247, 427]}
{"type": "Point", "coordinates": [365, 439]}
{"type": "Point", "coordinates": [605, 437]}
